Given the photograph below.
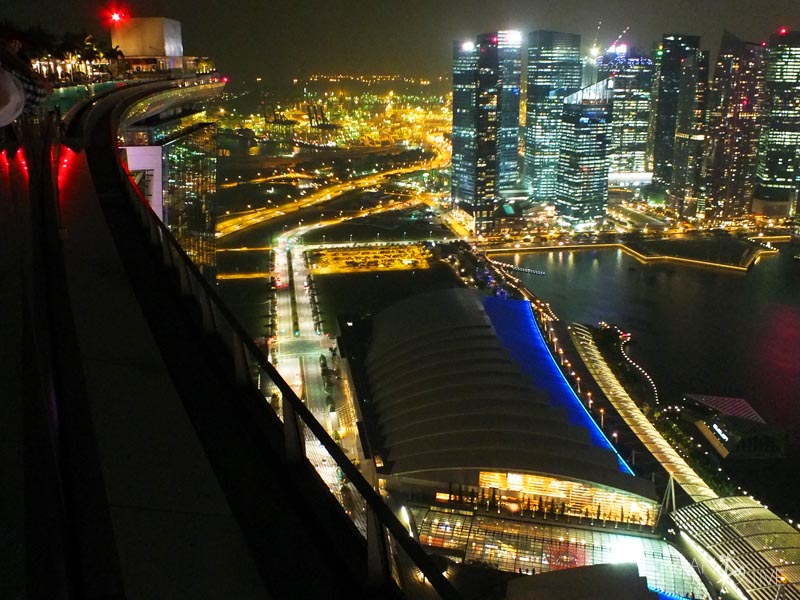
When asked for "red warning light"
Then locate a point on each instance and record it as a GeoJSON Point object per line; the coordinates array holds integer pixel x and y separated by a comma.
{"type": "Point", "coordinates": [114, 15]}
{"type": "Point", "coordinates": [783, 31]}
{"type": "Point", "coordinates": [224, 80]}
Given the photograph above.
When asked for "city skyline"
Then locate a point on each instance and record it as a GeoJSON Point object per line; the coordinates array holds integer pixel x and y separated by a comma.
{"type": "Point", "coordinates": [282, 40]}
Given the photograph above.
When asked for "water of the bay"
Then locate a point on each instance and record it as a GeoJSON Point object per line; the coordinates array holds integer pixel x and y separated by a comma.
{"type": "Point", "coordinates": [694, 330]}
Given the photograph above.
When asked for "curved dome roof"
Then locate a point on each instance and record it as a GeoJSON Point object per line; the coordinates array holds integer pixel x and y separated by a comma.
{"type": "Point", "coordinates": [448, 397]}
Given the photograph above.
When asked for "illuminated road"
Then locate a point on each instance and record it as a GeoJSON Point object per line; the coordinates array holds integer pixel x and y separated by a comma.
{"type": "Point", "coordinates": [242, 221]}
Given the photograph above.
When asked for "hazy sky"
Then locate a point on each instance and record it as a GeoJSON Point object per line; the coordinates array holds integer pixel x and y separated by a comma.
{"type": "Point", "coordinates": [281, 38]}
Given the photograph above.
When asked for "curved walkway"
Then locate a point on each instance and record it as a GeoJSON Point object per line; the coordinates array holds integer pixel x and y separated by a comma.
{"type": "Point", "coordinates": [682, 473]}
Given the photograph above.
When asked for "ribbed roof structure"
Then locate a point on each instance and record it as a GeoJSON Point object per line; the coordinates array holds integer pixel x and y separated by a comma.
{"type": "Point", "coordinates": [451, 402]}
{"type": "Point", "coordinates": [755, 551]}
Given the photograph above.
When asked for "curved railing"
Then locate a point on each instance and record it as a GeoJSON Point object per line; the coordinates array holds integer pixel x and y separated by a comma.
{"type": "Point", "coordinates": [304, 436]}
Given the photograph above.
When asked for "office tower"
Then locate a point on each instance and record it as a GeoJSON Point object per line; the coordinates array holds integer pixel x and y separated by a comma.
{"type": "Point", "coordinates": [190, 168]}
{"type": "Point", "coordinates": [174, 163]}
{"type": "Point", "coordinates": [465, 62]}
{"type": "Point", "coordinates": [633, 83]}
{"type": "Point", "coordinates": [582, 181]}
{"type": "Point", "coordinates": [486, 82]}
{"type": "Point", "coordinates": [509, 54]}
{"type": "Point", "coordinates": [687, 190]}
{"type": "Point", "coordinates": [669, 59]}
{"type": "Point", "coordinates": [735, 108]}
{"type": "Point", "coordinates": [778, 165]}
{"type": "Point", "coordinates": [553, 73]}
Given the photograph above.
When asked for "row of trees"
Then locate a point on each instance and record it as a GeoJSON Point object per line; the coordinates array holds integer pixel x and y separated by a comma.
{"type": "Point", "coordinates": [39, 43]}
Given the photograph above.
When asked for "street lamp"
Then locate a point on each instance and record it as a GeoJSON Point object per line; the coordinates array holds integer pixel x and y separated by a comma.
{"type": "Point", "coordinates": [602, 418]}
{"type": "Point", "coordinates": [578, 378]}
{"type": "Point", "coordinates": [614, 437]}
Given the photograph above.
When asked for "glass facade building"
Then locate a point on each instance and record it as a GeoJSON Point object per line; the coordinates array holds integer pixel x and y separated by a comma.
{"type": "Point", "coordinates": [486, 91]}
{"type": "Point", "coordinates": [583, 134]}
{"type": "Point", "coordinates": [633, 82]}
{"type": "Point", "coordinates": [553, 73]}
{"type": "Point", "coordinates": [687, 191]}
{"type": "Point", "coordinates": [531, 544]}
{"type": "Point", "coordinates": [675, 48]}
{"type": "Point", "coordinates": [734, 123]}
{"type": "Point", "coordinates": [189, 185]}
{"type": "Point", "coordinates": [509, 51]}
{"type": "Point", "coordinates": [778, 166]}
{"type": "Point", "coordinates": [465, 62]}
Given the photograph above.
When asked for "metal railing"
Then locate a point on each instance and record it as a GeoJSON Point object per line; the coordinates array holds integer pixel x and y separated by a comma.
{"type": "Point", "coordinates": [391, 551]}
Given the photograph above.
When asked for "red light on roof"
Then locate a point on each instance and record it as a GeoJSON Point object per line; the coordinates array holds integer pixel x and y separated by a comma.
{"type": "Point", "coordinates": [224, 80]}
{"type": "Point", "coordinates": [783, 31]}
{"type": "Point", "coordinates": [113, 15]}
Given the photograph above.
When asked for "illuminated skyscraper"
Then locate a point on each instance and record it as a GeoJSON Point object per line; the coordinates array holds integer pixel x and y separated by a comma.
{"type": "Point", "coordinates": [778, 166]}
{"type": "Point", "coordinates": [509, 54]}
{"type": "Point", "coordinates": [465, 63]}
{"type": "Point", "coordinates": [674, 49]}
{"type": "Point", "coordinates": [737, 101]}
{"type": "Point", "coordinates": [633, 82]}
{"type": "Point", "coordinates": [486, 83]}
{"type": "Point", "coordinates": [553, 73]}
{"type": "Point", "coordinates": [174, 163]}
{"type": "Point", "coordinates": [687, 189]}
{"type": "Point", "coordinates": [582, 173]}
{"type": "Point", "coordinates": [190, 168]}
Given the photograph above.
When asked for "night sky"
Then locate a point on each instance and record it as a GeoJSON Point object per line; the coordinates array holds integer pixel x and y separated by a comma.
{"type": "Point", "coordinates": [278, 39]}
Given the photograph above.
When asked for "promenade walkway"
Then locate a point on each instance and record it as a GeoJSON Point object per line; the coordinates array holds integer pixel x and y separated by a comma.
{"type": "Point", "coordinates": [683, 474]}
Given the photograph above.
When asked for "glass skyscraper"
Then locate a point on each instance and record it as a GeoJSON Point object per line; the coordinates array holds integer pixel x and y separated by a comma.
{"type": "Point", "coordinates": [553, 73]}
{"type": "Point", "coordinates": [174, 162]}
{"type": "Point", "coordinates": [735, 110]}
{"type": "Point", "coordinates": [633, 83]}
{"type": "Point", "coordinates": [486, 87]}
{"type": "Point", "coordinates": [778, 166]}
{"type": "Point", "coordinates": [687, 190]}
{"type": "Point", "coordinates": [675, 48]}
{"type": "Point", "coordinates": [190, 180]}
{"type": "Point", "coordinates": [509, 55]}
{"type": "Point", "coordinates": [465, 63]}
{"type": "Point", "coordinates": [582, 171]}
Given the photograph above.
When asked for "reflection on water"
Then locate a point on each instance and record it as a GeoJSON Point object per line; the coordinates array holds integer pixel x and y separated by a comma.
{"type": "Point", "coordinates": [695, 330]}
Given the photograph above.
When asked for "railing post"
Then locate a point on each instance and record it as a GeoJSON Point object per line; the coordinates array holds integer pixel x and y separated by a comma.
{"type": "Point", "coordinates": [293, 438]}
{"type": "Point", "coordinates": [241, 369]}
{"type": "Point", "coordinates": [377, 555]}
{"type": "Point", "coordinates": [206, 312]}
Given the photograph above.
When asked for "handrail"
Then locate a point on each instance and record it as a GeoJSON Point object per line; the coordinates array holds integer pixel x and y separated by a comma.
{"type": "Point", "coordinates": [193, 283]}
